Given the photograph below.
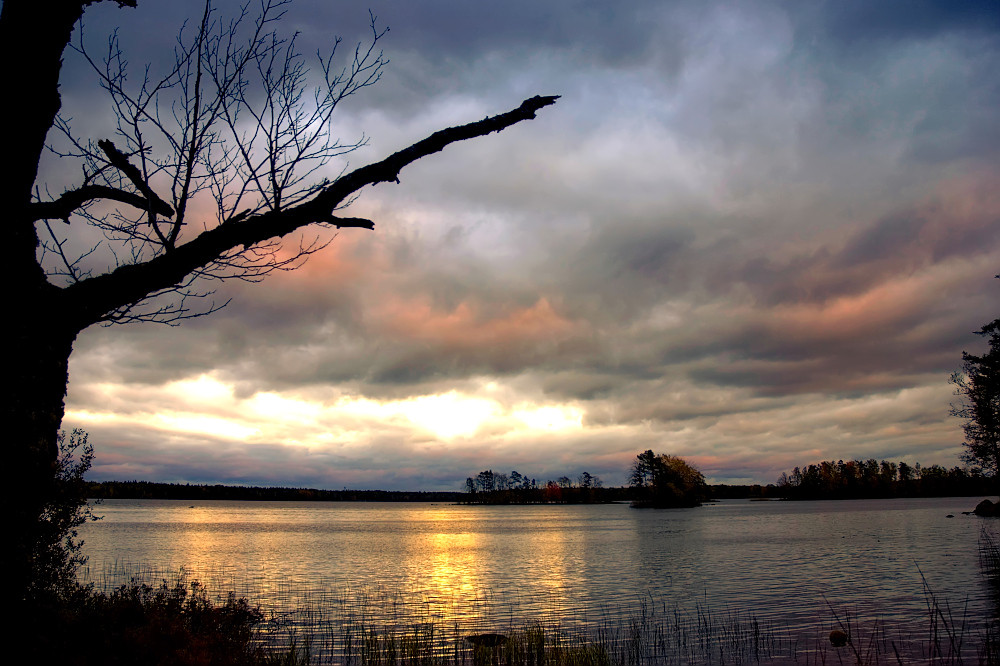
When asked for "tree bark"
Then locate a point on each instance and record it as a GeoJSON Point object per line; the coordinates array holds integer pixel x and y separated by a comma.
{"type": "Point", "coordinates": [34, 407]}
{"type": "Point", "coordinates": [33, 36]}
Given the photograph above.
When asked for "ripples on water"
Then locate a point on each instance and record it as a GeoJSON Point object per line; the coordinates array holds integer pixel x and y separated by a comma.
{"type": "Point", "coordinates": [792, 566]}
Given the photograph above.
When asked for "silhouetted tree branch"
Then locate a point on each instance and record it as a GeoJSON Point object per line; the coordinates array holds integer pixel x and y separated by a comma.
{"type": "Point", "coordinates": [70, 200]}
{"type": "Point", "coordinates": [131, 284]}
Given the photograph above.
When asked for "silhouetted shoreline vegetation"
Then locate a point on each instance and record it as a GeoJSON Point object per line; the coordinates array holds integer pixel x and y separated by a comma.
{"type": "Point", "coordinates": [489, 487]}
{"type": "Point", "coordinates": [872, 479]}
{"type": "Point", "coordinates": [665, 482]}
{"type": "Point", "coordinates": [191, 491]}
{"type": "Point", "coordinates": [655, 480]}
{"type": "Point", "coordinates": [978, 487]}
{"type": "Point", "coordinates": [141, 622]}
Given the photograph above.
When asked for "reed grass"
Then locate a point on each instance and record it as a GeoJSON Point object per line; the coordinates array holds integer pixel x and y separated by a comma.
{"type": "Point", "coordinates": [989, 564]}
{"type": "Point", "coordinates": [378, 627]}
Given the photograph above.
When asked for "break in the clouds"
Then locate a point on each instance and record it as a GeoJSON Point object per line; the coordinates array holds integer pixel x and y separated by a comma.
{"type": "Point", "coordinates": [753, 234]}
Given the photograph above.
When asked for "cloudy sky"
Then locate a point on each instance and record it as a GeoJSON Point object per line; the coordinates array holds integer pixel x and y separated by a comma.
{"type": "Point", "coordinates": [752, 234]}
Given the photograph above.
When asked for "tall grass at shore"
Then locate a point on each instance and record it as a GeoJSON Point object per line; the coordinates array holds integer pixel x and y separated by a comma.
{"type": "Point", "coordinates": [989, 564]}
{"type": "Point", "coordinates": [381, 628]}
{"type": "Point", "coordinates": [375, 627]}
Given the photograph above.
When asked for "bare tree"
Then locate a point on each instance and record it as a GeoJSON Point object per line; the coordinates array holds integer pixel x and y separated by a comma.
{"type": "Point", "coordinates": [238, 121]}
{"type": "Point", "coordinates": [235, 124]}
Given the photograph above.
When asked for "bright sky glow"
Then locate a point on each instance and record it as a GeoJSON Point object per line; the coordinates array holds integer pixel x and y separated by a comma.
{"type": "Point", "coordinates": [204, 425]}
{"type": "Point", "coordinates": [268, 416]}
{"type": "Point", "coordinates": [550, 417]}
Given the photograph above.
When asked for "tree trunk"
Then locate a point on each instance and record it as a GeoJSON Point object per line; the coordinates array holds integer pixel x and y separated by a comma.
{"type": "Point", "coordinates": [33, 409]}
{"type": "Point", "coordinates": [33, 36]}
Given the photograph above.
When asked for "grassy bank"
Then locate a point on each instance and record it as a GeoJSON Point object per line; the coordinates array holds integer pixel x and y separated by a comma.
{"type": "Point", "coordinates": [989, 564]}
{"type": "Point", "coordinates": [177, 621]}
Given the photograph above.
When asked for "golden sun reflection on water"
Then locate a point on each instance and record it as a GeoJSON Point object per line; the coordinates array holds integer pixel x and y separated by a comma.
{"type": "Point", "coordinates": [446, 562]}
{"type": "Point", "coordinates": [555, 556]}
{"type": "Point", "coordinates": [466, 552]}
{"type": "Point", "coordinates": [452, 570]}
{"type": "Point", "coordinates": [199, 541]}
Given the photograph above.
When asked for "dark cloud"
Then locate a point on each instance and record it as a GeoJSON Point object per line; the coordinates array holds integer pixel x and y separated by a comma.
{"type": "Point", "coordinates": [458, 33]}
{"type": "Point", "coordinates": [855, 22]}
{"type": "Point", "coordinates": [750, 233]}
{"type": "Point", "coordinates": [959, 226]}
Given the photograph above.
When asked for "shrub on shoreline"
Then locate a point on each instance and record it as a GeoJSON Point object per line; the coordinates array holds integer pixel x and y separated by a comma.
{"type": "Point", "coordinates": [56, 550]}
{"type": "Point", "coordinates": [175, 624]}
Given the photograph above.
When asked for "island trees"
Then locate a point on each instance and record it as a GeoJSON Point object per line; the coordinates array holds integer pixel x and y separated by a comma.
{"type": "Point", "coordinates": [489, 487]}
{"type": "Point", "coordinates": [664, 481]}
{"type": "Point", "coordinates": [213, 161]}
{"type": "Point", "coordinates": [978, 386]}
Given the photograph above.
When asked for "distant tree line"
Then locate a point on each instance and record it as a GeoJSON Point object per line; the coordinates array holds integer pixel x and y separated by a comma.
{"type": "Point", "coordinates": [489, 487]}
{"type": "Point", "coordinates": [867, 479]}
{"type": "Point", "coordinates": [721, 491]}
{"type": "Point", "coordinates": [656, 480]}
{"type": "Point", "coordinates": [151, 490]}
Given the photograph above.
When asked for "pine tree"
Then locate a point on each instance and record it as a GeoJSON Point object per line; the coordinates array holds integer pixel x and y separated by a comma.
{"type": "Point", "coordinates": [978, 385]}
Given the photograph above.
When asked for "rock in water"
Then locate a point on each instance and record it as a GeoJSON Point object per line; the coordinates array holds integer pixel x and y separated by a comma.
{"type": "Point", "coordinates": [986, 508]}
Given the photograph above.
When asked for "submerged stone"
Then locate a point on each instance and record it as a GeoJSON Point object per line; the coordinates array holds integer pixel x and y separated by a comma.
{"type": "Point", "coordinates": [839, 638]}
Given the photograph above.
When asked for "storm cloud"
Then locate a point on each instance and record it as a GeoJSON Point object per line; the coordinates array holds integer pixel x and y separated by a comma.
{"type": "Point", "coordinates": [753, 234]}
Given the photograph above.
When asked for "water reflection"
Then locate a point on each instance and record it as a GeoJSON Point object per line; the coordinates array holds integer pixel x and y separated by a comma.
{"type": "Point", "coordinates": [791, 564]}
{"type": "Point", "coordinates": [451, 566]}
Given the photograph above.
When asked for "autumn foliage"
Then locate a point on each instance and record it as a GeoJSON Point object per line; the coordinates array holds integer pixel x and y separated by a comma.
{"type": "Point", "coordinates": [665, 481]}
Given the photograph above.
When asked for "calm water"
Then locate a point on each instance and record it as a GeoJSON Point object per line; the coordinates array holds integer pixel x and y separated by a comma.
{"type": "Point", "coordinates": [788, 563]}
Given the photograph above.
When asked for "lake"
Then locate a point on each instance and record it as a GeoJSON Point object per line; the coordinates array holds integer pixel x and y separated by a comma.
{"type": "Point", "coordinates": [795, 566]}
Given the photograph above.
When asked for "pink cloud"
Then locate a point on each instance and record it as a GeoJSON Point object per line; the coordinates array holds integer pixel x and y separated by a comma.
{"type": "Point", "coordinates": [468, 326]}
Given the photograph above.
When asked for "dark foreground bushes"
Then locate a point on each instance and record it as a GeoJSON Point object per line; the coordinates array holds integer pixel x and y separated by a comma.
{"type": "Point", "coordinates": [55, 620]}
{"type": "Point", "coordinates": [140, 624]}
